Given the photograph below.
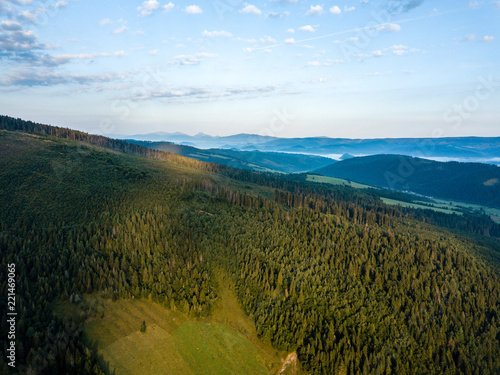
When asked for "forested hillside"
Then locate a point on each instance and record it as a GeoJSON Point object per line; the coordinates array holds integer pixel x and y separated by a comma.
{"type": "Point", "coordinates": [468, 182]}
{"type": "Point", "coordinates": [354, 286]}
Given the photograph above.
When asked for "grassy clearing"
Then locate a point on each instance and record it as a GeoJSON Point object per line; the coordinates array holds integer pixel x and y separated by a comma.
{"type": "Point", "coordinates": [152, 352]}
{"type": "Point", "coordinates": [225, 343]}
{"type": "Point", "coordinates": [172, 343]}
{"type": "Point", "coordinates": [393, 202]}
{"type": "Point", "coordinates": [440, 205]}
{"type": "Point", "coordinates": [493, 212]}
{"type": "Point", "coordinates": [213, 348]}
{"type": "Point", "coordinates": [338, 181]}
{"type": "Point", "coordinates": [228, 312]}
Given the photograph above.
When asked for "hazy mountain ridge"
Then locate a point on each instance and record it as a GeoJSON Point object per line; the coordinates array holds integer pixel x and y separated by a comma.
{"type": "Point", "coordinates": [253, 160]}
{"type": "Point", "coordinates": [482, 149]}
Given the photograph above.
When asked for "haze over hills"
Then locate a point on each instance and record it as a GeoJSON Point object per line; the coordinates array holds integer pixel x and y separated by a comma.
{"type": "Point", "coordinates": [201, 140]}
{"type": "Point", "coordinates": [480, 149]}
{"type": "Point", "coordinates": [254, 160]}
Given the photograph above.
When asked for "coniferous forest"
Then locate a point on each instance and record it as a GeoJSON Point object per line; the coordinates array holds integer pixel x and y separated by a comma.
{"type": "Point", "coordinates": [352, 285]}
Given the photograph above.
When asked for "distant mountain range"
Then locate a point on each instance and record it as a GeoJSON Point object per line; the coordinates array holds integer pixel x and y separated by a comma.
{"type": "Point", "coordinates": [253, 160]}
{"type": "Point", "coordinates": [468, 182]}
{"type": "Point", "coordinates": [472, 149]}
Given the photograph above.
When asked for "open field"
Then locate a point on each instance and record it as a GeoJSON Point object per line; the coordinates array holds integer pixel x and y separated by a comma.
{"type": "Point", "coordinates": [493, 212]}
{"type": "Point", "coordinates": [416, 205]}
{"type": "Point", "coordinates": [338, 181]}
{"type": "Point", "coordinates": [446, 206]}
{"type": "Point", "coordinates": [225, 343]}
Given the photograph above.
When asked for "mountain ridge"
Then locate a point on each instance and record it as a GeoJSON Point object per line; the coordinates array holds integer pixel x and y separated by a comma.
{"type": "Point", "coordinates": [467, 182]}
{"type": "Point", "coordinates": [472, 148]}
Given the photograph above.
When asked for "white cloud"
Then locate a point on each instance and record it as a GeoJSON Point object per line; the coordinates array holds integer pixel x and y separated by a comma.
{"type": "Point", "coordinates": [393, 27]}
{"type": "Point", "coordinates": [377, 53]}
{"type": "Point", "coordinates": [22, 2]}
{"type": "Point", "coordinates": [290, 41]}
{"type": "Point", "coordinates": [291, 31]}
{"type": "Point", "coordinates": [250, 90]}
{"type": "Point", "coordinates": [205, 54]}
{"type": "Point", "coordinates": [105, 21]}
{"type": "Point", "coordinates": [315, 10]}
{"type": "Point", "coordinates": [320, 80]}
{"type": "Point", "coordinates": [277, 14]}
{"type": "Point", "coordinates": [308, 28]}
{"type": "Point", "coordinates": [488, 38]}
{"type": "Point", "coordinates": [61, 4]}
{"type": "Point", "coordinates": [248, 40]}
{"type": "Point", "coordinates": [153, 52]}
{"type": "Point", "coordinates": [20, 45]}
{"type": "Point", "coordinates": [313, 63]}
{"type": "Point", "coordinates": [175, 93]}
{"type": "Point", "coordinates": [120, 30]}
{"type": "Point", "coordinates": [332, 62]}
{"type": "Point", "coordinates": [470, 37]}
{"type": "Point", "coordinates": [54, 60]}
{"type": "Point", "coordinates": [195, 59]}
{"type": "Point", "coordinates": [267, 39]}
{"type": "Point", "coordinates": [211, 34]}
{"type": "Point", "coordinates": [32, 78]}
{"type": "Point", "coordinates": [168, 7]}
{"type": "Point", "coordinates": [11, 25]}
{"type": "Point", "coordinates": [390, 27]}
{"type": "Point", "coordinates": [349, 9]}
{"type": "Point", "coordinates": [335, 10]}
{"type": "Point", "coordinates": [400, 50]}
{"type": "Point", "coordinates": [148, 7]}
{"type": "Point", "coordinates": [193, 9]}
{"type": "Point", "coordinates": [285, 1]}
{"type": "Point", "coordinates": [30, 16]}
{"type": "Point", "coordinates": [251, 9]}
{"type": "Point", "coordinates": [473, 4]}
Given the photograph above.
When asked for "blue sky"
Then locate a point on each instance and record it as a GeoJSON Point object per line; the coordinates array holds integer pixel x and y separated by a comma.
{"type": "Point", "coordinates": [286, 68]}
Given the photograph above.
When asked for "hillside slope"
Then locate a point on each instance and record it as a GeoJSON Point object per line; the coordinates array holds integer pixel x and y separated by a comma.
{"type": "Point", "coordinates": [331, 273]}
{"type": "Point", "coordinates": [469, 182]}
